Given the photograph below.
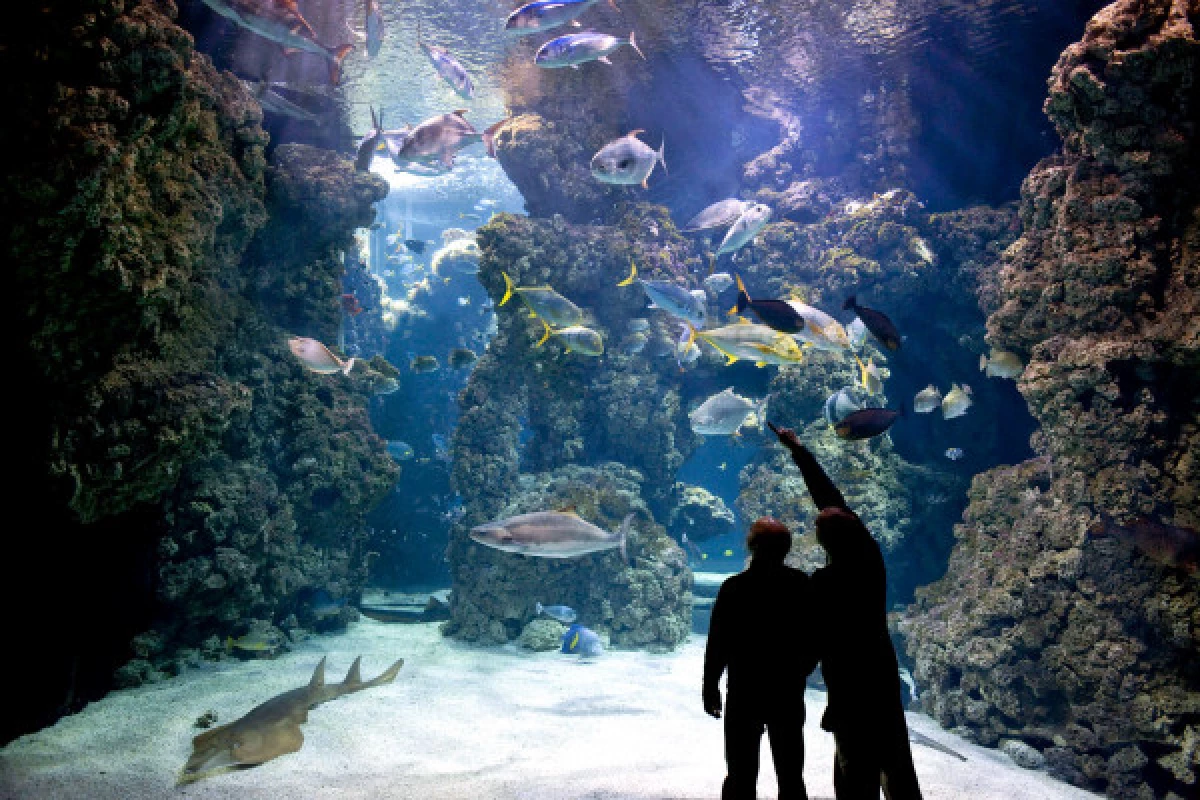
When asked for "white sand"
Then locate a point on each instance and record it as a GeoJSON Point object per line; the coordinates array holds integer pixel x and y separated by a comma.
{"type": "Point", "coordinates": [459, 722]}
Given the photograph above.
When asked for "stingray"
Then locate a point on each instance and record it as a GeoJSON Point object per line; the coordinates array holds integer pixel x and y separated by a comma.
{"type": "Point", "coordinates": [272, 729]}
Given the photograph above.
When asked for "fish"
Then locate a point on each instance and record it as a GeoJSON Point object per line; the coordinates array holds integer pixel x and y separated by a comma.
{"type": "Point", "coordinates": [728, 554]}
{"type": "Point", "coordinates": [1002, 364]}
{"type": "Point", "coordinates": [743, 230]}
{"type": "Point", "coordinates": [375, 27]}
{"type": "Point", "coordinates": [1168, 545]}
{"type": "Point", "coordinates": [551, 534]}
{"type": "Point", "coordinates": [579, 48]}
{"type": "Point", "coordinates": [460, 358]}
{"type": "Point", "coordinates": [576, 338]}
{"type": "Point", "coordinates": [441, 447]}
{"type": "Point", "coordinates": [718, 215]}
{"type": "Point", "coordinates": [423, 364]}
{"type": "Point", "coordinates": [639, 324]}
{"type": "Point", "coordinates": [922, 249]}
{"type": "Point", "coordinates": [256, 641]}
{"type": "Point", "coordinates": [544, 303]}
{"type": "Point", "coordinates": [281, 22]}
{"type": "Point", "coordinates": [692, 307]}
{"type": "Point", "coordinates": [954, 453]}
{"type": "Point", "coordinates": [925, 741]}
{"type": "Point", "coordinates": [564, 614]}
{"type": "Point", "coordinates": [878, 323]}
{"type": "Point", "coordinates": [436, 139]}
{"type": "Point", "coordinates": [351, 305]}
{"type": "Point", "coordinates": [718, 282]}
{"type": "Point", "coordinates": [463, 301]}
{"type": "Point", "coordinates": [756, 343]}
{"type": "Point", "coordinates": [724, 414]}
{"type": "Point", "coordinates": [582, 641]}
{"type": "Point", "coordinates": [927, 400]}
{"type": "Point", "coordinates": [840, 405]}
{"type": "Point", "coordinates": [323, 605]}
{"type": "Point", "coordinates": [634, 343]}
{"type": "Point", "coordinates": [415, 246]}
{"type": "Point", "coordinates": [627, 161]}
{"type": "Point", "coordinates": [317, 357]}
{"type": "Point", "coordinates": [274, 102]}
{"type": "Point", "coordinates": [399, 451]}
{"type": "Point", "coordinates": [370, 143]}
{"type": "Point", "coordinates": [547, 14]}
{"type": "Point", "coordinates": [856, 332]}
{"type": "Point", "coordinates": [956, 402]}
{"type": "Point", "coordinates": [272, 729]}
{"type": "Point", "coordinates": [869, 377]}
{"type": "Point", "coordinates": [809, 324]}
{"type": "Point", "coordinates": [448, 67]}
{"type": "Point", "coordinates": [866, 423]}
{"type": "Point", "coordinates": [470, 216]}
{"type": "Point", "coordinates": [385, 384]}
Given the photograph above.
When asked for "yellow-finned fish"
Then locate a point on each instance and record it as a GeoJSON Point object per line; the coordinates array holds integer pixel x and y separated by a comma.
{"type": "Point", "coordinates": [545, 303]}
{"type": "Point", "coordinates": [756, 343]}
{"type": "Point", "coordinates": [869, 377]}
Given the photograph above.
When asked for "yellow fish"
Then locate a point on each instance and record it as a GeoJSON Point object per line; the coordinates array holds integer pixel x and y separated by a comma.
{"type": "Point", "coordinates": [869, 377]}
{"type": "Point", "coordinates": [728, 553]}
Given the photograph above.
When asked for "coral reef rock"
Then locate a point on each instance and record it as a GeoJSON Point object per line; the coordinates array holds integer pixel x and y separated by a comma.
{"type": "Point", "coordinates": [700, 514]}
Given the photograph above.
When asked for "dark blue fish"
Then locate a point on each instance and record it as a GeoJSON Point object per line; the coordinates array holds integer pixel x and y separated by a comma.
{"type": "Point", "coordinates": [582, 641]}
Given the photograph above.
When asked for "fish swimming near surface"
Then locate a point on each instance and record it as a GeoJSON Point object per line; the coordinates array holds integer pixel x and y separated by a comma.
{"type": "Point", "coordinates": [564, 614]}
{"type": "Point", "coordinates": [627, 161]}
{"type": "Point", "coordinates": [878, 323]}
{"type": "Point", "coordinates": [927, 400]}
{"type": "Point", "coordinates": [273, 102]}
{"type": "Point", "coordinates": [840, 405]}
{"type": "Point", "coordinates": [1168, 545]}
{"type": "Point", "coordinates": [869, 377]}
{"type": "Point", "coordinates": [399, 451]}
{"type": "Point", "coordinates": [317, 357]}
{"type": "Point", "coordinates": [423, 364]}
{"type": "Point", "coordinates": [281, 22]}
{"type": "Point", "coordinates": [867, 423]}
{"type": "Point", "coordinates": [448, 67]}
{"type": "Point", "coordinates": [758, 343]}
{"type": "Point", "coordinates": [1002, 364]}
{"type": "Point", "coordinates": [582, 641]}
{"type": "Point", "coordinates": [546, 14]}
{"type": "Point", "coordinates": [579, 48]}
{"type": "Point", "coordinates": [544, 303]}
{"type": "Point", "coordinates": [957, 401]}
{"type": "Point", "coordinates": [808, 324]}
{"type": "Point", "coordinates": [718, 215]}
{"type": "Point", "coordinates": [687, 305]}
{"type": "Point", "coordinates": [725, 413]}
{"type": "Point", "coordinates": [437, 139]}
{"type": "Point", "coordinates": [718, 282]}
{"type": "Point", "coordinates": [272, 729]}
{"type": "Point", "coordinates": [375, 27]}
{"type": "Point", "coordinates": [461, 358]}
{"type": "Point", "coordinates": [576, 338]}
{"type": "Point", "coordinates": [743, 230]}
{"type": "Point", "coordinates": [551, 534]}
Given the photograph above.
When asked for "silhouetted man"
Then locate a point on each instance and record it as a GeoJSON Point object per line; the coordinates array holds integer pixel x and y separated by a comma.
{"type": "Point", "coordinates": [758, 634]}
{"type": "Point", "coordinates": [865, 711]}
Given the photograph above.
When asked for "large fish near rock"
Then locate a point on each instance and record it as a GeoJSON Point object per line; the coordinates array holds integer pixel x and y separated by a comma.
{"type": "Point", "coordinates": [743, 230]}
{"type": "Point", "coordinates": [551, 534]}
{"type": "Point", "coordinates": [756, 343]}
{"type": "Point", "coordinates": [718, 215]}
{"type": "Point", "coordinates": [690, 306]}
{"type": "Point", "coordinates": [544, 303]}
{"type": "Point", "coordinates": [809, 324]}
{"type": "Point", "coordinates": [437, 139]}
{"type": "Point", "coordinates": [725, 413]}
{"type": "Point", "coordinates": [579, 48]}
{"type": "Point", "coordinates": [627, 161]}
{"type": "Point", "coordinates": [317, 357]}
{"type": "Point", "coordinates": [282, 23]}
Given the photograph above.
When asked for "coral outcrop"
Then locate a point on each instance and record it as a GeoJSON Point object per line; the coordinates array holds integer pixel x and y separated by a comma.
{"type": "Point", "coordinates": [1045, 630]}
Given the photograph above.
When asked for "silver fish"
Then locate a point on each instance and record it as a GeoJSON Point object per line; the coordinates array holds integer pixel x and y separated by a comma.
{"type": "Point", "coordinates": [1002, 364]}
{"type": "Point", "coordinates": [275, 103]}
{"type": "Point", "coordinates": [449, 67]}
{"type": "Point", "coordinates": [317, 357]}
{"type": "Point", "coordinates": [718, 215]}
{"type": "Point", "coordinates": [956, 402]}
{"type": "Point", "coordinates": [579, 48]}
{"type": "Point", "coordinates": [725, 413]}
{"type": "Point", "coordinates": [576, 338]}
{"type": "Point", "coordinates": [840, 405]}
{"type": "Point", "coordinates": [927, 400]}
{"type": "Point", "coordinates": [627, 161]}
{"type": "Point", "coordinates": [745, 228]}
{"type": "Point", "coordinates": [437, 139]}
{"type": "Point", "coordinates": [718, 282]}
{"type": "Point", "coordinates": [856, 331]}
{"type": "Point", "coordinates": [677, 301]}
{"type": "Point", "coordinates": [282, 23]}
{"type": "Point", "coordinates": [547, 14]}
{"type": "Point", "coordinates": [550, 534]}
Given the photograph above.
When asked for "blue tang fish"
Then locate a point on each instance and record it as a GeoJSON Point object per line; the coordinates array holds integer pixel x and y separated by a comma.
{"type": "Point", "coordinates": [564, 614]}
{"type": "Point", "coordinates": [582, 641]}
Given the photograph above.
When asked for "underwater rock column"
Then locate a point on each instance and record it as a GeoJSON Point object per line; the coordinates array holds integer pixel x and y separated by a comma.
{"type": "Point", "coordinates": [1068, 618]}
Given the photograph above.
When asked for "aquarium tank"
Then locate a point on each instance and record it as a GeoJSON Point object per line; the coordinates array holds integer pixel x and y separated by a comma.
{"type": "Point", "coordinates": [475, 399]}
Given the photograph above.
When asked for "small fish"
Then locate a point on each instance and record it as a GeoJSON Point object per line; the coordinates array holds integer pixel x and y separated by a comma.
{"type": "Point", "coordinates": [422, 364]}
{"type": "Point", "coordinates": [375, 28]}
{"type": "Point", "coordinates": [724, 414]}
{"type": "Point", "coordinates": [867, 423]}
{"type": "Point", "coordinates": [1168, 545]}
{"type": "Point", "coordinates": [400, 451]}
{"type": "Point", "coordinates": [257, 641]}
{"type": "Point", "coordinates": [579, 48]}
{"type": "Point", "coordinates": [385, 385]}
{"type": "Point", "coordinates": [448, 67]}
{"type": "Point", "coordinates": [634, 343]}
{"type": "Point", "coordinates": [956, 402]}
{"type": "Point", "coordinates": [869, 377]}
{"type": "Point", "coordinates": [1002, 364]}
{"type": "Point", "coordinates": [856, 332]}
{"type": "Point", "coordinates": [460, 358]}
{"type": "Point", "coordinates": [470, 217]}
{"type": "Point", "coordinates": [718, 215]}
{"type": "Point", "coordinates": [728, 554]}
{"type": "Point", "coordinates": [275, 103]}
{"type": "Point", "coordinates": [463, 301]}
{"type": "Point", "coordinates": [927, 400]}
{"type": "Point", "coordinates": [546, 14]}
{"type": "Point", "coordinates": [322, 604]}
{"type": "Point", "coordinates": [724, 465]}
{"type": "Point", "coordinates": [877, 323]}
{"type": "Point", "coordinates": [545, 303]}
{"type": "Point", "coordinates": [627, 161]}
{"type": "Point", "coordinates": [351, 305]}
{"type": "Point", "coordinates": [582, 641]}
{"type": "Point", "coordinates": [954, 453]}
{"type": "Point", "coordinates": [743, 231]}
{"type": "Point", "coordinates": [840, 405]}
{"type": "Point", "coordinates": [718, 282]}
{"type": "Point", "coordinates": [564, 614]}
{"type": "Point", "coordinates": [415, 246]}
{"type": "Point", "coordinates": [922, 249]}
{"type": "Point", "coordinates": [317, 357]}
{"type": "Point", "coordinates": [639, 324]}
{"type": "Point", "coordinates": [692, 307]}
{"type": "Point", "coordinates": [576, 338]}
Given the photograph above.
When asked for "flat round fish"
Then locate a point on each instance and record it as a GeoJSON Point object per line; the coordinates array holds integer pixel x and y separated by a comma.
{"type": "Point", "coordinates": [718, 215]}
{"type": "Point", "coordinates": [723, 414]}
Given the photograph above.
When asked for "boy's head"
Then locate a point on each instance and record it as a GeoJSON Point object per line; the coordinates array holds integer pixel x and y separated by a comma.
{"type": "Point", "coordinates": [768, 540]}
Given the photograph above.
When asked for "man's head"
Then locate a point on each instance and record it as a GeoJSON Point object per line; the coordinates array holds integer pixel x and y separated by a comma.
{"type": "Point", "coordinates": [768, 540]}
{"type": "Point", "coordinates": [831, 524]}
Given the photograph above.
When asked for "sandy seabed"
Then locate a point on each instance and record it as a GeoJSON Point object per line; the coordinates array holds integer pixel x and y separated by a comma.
{"type": "Point", "coordinates": [459, 722]}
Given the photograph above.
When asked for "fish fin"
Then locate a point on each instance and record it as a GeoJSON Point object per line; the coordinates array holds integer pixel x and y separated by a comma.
{"type": "Point", "coordinates": [508, 289]}
{"type": "Point", "coordinates": [538, 608]}
{"type": "Point", "coordinates": [532, 314]}
{"type": "Point", "coordinates": [632, 274]}
{"type": "Point", "coordinates": [633, 43]}
{"type": "Point", "coordinates": [568, 509]}
{"type": "Point", "coordinates": [545, 335]}
{"type": "Point", "coordinates": [760, 364]}
{"type": "Point", "coordinates": [489, 137]}
{"type": "Point", "coordinates": [460, 112]}
{"type": "Point", "coordinates": [730, 358]}
{"type": "Point", "coordinates": [318, 676]}
{"type": "Point", "coordinates": [743, 298]}
{"type": "Point", "coordinates": [646, 182]}
{"type": "Point", "coordinates": [354, 675]}
{"type": "Point", "coordinates": [349, 366]}
{"type": "Point", "coordinates": [448, 160]}
{"type": "Point", "coordinates": [662, 154]}
{"type": "Point", "coordinates": [335, 67]}
{"type": "Point", "coordinates": [623, 537]}
{"type": "Point", "coordinates": [604, 60]}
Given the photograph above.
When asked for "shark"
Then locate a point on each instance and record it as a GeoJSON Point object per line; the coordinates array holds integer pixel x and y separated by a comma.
{"type": "Point", "coordinates": [272, 729]}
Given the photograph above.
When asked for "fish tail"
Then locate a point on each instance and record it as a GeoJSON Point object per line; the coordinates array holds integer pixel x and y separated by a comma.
{"type": "Point", "coordinates": [508, 290]}
{"type": "Point", "coordinates": [850, 303]}
{"type": "Point", "coordinates": [489, 137]}
{"type": "Point", "coordinates": [662, 154]}
{"type": "Point", "coordinates": [743, 299]}
{"type": "Point", "coordinates": [632, 275]}
{"type": "Point", "coordinates": [349, 366]}
{"type": "Point", "coordinates": [623, 537]}
{"type": "Point", "coordinates": [545, 335]}
{"type": "Point", "coordinates": [634, 45]}
{"type": "Point", "coordinates": [337, 55]}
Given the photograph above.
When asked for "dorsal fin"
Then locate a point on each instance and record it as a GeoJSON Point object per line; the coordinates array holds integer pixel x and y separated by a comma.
{"type": "Point", "coordinates": [354, 676]}
{"type": "Point", "coordinates": [459, 111]}
{"type": "Point", "coordinates": [318, 677]}
{"type": "Point", "coordinates": [635, 132]}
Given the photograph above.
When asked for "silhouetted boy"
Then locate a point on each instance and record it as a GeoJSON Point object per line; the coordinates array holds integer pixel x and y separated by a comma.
{"type": "Point", "coordinates": [865, 711]}
{"type": "Point", "coordinates": [759, 633]}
